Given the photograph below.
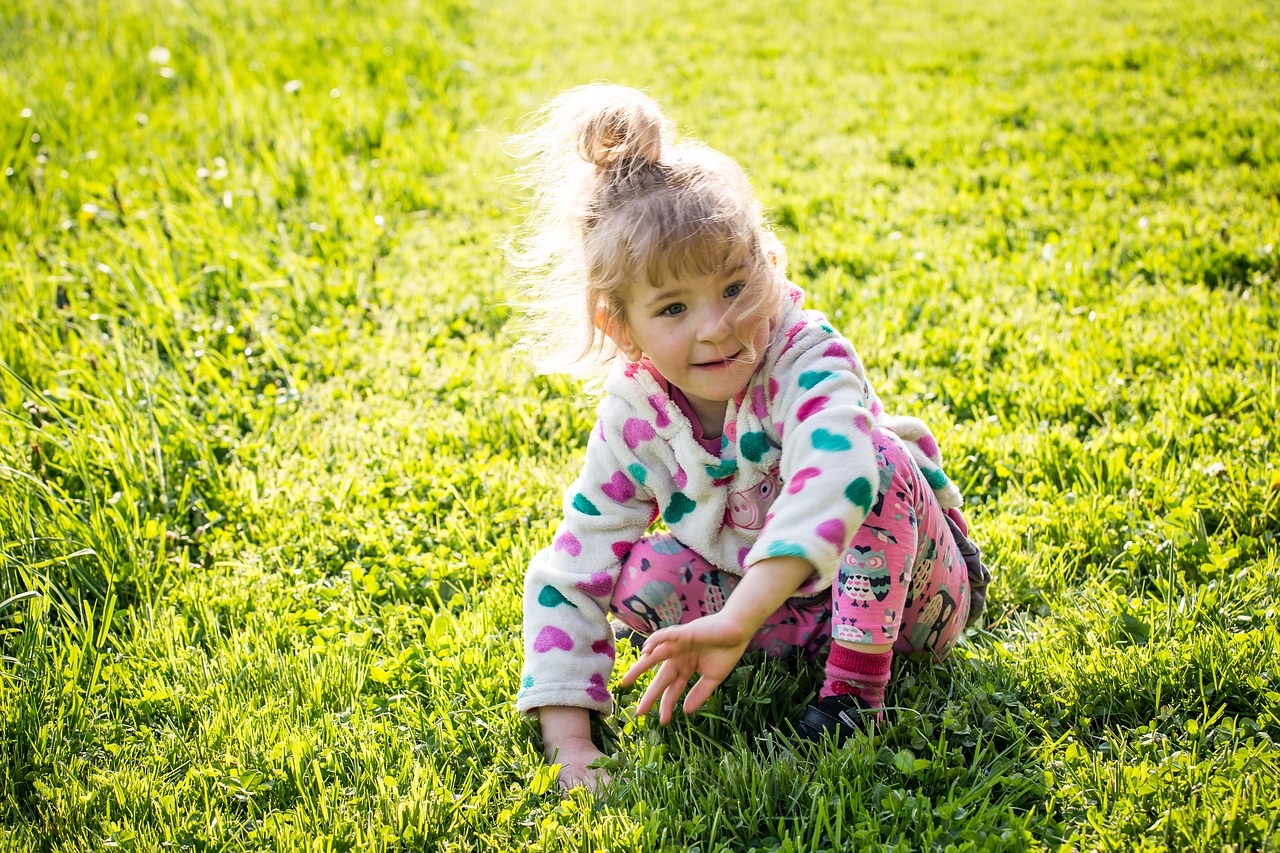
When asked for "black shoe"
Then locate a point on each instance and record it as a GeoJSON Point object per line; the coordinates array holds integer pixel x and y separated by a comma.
{"type": "Point", "coordinates": [842, 715]}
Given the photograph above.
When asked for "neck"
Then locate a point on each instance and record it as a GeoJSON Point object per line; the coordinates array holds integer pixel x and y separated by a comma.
{"type": "Point", "coordinates": [710, 416]}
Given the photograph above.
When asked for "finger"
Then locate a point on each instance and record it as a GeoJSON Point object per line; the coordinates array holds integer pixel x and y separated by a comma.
{"type": "Point", "coordinates": [670, 697]}
{"type": "Point", "coordinates": [599, 782]}
{"type": "Point", "coordinates": [660, 680]}
{"type": "Point", "coordinates": [700, 693]}
{"type": "Point", "coordinates": [637, 669]}
{"type": "Point", "coordinates": [669, 677]}
{"type": "Point", "coordinates": [591, 779]}
{"type": "Point", "coordinates": [658, 638]}
{"type": "Point", "coordinates": [648, 659]}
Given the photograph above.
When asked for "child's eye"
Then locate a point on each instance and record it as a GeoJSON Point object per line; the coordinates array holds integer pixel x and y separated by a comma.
{"type": "Point", "coordinates": [734, 289]}
{"type": "Point", "coordinates": [672, 310]}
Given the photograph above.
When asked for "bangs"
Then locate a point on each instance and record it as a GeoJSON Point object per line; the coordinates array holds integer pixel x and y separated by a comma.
{"type": "Point", "coordinates": [662, 237]}
{"type": "Point", "coordinates": [693, 249]}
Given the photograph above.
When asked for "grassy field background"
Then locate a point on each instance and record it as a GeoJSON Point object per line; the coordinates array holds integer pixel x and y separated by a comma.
{"type": "Point", "coordinates": [270, 473]}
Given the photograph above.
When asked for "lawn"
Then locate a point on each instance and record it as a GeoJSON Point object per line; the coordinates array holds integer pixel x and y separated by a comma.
{"type": "Point", "coordinates": [271, 471]}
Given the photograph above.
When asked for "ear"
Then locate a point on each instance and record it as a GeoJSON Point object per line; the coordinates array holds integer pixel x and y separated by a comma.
{"type": "Point", "coordinates": [616, 329]}
{"type": "Point", "coordinates": [776, 256]}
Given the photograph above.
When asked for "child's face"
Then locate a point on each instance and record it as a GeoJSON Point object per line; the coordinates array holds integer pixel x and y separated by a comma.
{"type": "Point", "coordinates": [698, 336]}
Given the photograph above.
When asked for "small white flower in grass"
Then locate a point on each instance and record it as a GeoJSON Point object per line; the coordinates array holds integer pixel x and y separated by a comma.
{"type": "Point", "coordinates": [159, 55]}
{"type": "Point", "coordinates": [141, 119]}
{"type": "Point", "coordinates": [1046, 251]}
{"type": "Point", "coordinates": [168, 73]}
{"type": "Point", "coordinates": [26, 113]}
{"type": "Point", "coordinates": [293, 87]}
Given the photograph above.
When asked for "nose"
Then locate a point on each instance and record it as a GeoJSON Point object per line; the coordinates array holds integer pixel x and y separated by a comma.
{"type": "Point", "coordinates": [713, 325]}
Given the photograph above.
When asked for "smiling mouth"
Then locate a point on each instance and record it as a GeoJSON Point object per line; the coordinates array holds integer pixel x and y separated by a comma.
{"type": "Point", "coordinates": [723, 362]}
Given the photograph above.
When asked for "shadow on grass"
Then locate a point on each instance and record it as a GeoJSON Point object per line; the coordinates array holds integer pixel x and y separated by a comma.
{"type": "Point", "coordinates": [955, 762]}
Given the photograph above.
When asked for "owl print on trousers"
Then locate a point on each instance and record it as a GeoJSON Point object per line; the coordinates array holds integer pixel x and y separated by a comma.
{"type": "Point", "coordinates": [931, 625]}
{"type": "Point", "coordinates": [657, 604]}
{"type": "Point", "coordinates": [864, 574]}
{"type": "Point", "coordinates": [715, 590]}
{"type": "Point", "coordinates": [920, 577]}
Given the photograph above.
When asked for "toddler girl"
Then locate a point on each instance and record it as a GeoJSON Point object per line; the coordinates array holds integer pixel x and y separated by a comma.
{"type": "Point", "coordinates": [800, 514]}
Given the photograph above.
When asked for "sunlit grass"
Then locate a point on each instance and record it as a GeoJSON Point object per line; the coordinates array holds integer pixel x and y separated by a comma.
{"type": "Point", "coordinates": [270, 473]}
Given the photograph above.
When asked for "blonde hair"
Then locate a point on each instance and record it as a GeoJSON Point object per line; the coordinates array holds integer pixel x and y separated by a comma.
{"type": "Point", "coordinates": [617, 200]}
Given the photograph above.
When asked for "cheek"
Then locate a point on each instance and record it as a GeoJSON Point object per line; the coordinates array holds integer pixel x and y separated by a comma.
{"type": "Point", "coordinates": [755, 332]}
{"type": "Point", "coordinates": [660, 339]}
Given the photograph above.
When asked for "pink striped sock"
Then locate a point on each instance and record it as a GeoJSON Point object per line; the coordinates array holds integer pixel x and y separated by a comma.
{"type": "Point", "coordinates": [862, 674]}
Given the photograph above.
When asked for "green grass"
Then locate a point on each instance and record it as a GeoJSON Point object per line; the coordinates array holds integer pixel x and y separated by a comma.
{"type": "Point", "coordinates": [270, 475]}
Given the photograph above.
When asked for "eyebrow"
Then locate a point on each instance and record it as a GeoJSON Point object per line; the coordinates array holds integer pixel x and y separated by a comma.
{"type": "Point", "coordinates": [665, 295]}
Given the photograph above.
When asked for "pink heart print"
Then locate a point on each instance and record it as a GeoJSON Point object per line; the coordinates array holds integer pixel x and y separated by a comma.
{"type": "Point", "coordinates": [600, 585]}
{"type": "Point", "coordinates": [550, 638]}
{"type": "Point", "coordinates": [568, 543]}
{"type": "Point", "coordinates": [799, 478]}
{"type": "Point", "coordinates": [619, 488]}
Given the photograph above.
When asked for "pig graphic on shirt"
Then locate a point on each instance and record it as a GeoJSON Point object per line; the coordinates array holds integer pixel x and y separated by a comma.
{"type": "Point", "coordinates": [747, 508]}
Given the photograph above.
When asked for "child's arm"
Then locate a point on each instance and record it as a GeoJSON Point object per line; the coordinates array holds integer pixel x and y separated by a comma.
{"type": "Point", "coordinates": [712, 645]}
{"type": "Point", "coordinates": [825, 411]}
{"type": "Point", "coordinates": [569, 647]}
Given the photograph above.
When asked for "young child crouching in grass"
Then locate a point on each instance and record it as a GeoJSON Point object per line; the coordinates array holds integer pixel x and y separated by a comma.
{"type": "Point", "coordinates": [801, 514]}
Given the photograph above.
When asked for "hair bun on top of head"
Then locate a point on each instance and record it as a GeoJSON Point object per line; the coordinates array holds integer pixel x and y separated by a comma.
{"type": "Point", "coordinates": [620, 127]}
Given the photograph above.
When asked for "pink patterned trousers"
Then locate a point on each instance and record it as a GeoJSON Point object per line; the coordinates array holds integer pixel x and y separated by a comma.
{"type": "Point", "coordinates": [901, 581]}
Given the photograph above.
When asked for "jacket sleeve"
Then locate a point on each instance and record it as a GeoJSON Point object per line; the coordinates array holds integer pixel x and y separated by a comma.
{"type": "Point", "coordinates": [823, 409]}
{"type": "Point", "coordinates": [924, 450]}
{"type": "Point", "coordinates": [568, 644]}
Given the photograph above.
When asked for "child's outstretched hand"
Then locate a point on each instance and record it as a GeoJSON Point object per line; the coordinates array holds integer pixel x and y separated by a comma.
{"type": "Point", "coordinates": [710, 646]}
